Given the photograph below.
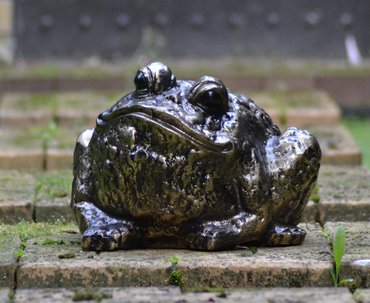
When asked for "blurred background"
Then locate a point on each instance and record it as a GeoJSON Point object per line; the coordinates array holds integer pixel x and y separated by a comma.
{"type": "Point", "coordinates": [62, 62]}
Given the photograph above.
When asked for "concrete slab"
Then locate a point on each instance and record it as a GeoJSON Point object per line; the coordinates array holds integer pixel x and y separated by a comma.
{"type": "Point", "coordinates": [4, 295]}
{"type": "Point", "coordinates": [60, 159]}
{"type": "Point", "coordinates": [8, 260]}
{"type": "Point", "coordinates": [23, 147]}
{"type": "Point", "coordinates": [53, 195]}
{"type": "Point", "coordinates": [12, 212]}
{"type": "Point", "coordinates": [362, 295]}
{"type": "Point", "coordinates": [300, 109]}
{"type": "Point", "coordinates": [16, 195]}
{"type": "Point", "coordinates": [52, 210]}
{"type": "Point", "coordinates": [21, 159]}
{"type": "Point", "coordinates": [167, 295]}
{"type": "Point", "coordinates": [140, 294]}
{"type": "Point", "coordinates": [76, 107]}
{"type": "Point", "coordinates": [65, 265]}
{"type": "Point", "coordinates": [344, 194]}
{"type": "Point", "coordinates": [337, 145]}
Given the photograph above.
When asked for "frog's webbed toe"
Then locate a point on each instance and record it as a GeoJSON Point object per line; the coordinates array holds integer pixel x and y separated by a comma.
{"type": "Point", "coordinates": [102, 232]}
{"type": "Point", "coordinates": [226, 234]}
{"type": "Point", "coordinates": [108, 237]}
{"type": "Point", "coordinates": [284, 236]}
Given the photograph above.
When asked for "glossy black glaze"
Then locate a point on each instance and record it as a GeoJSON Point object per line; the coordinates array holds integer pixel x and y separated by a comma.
{"type": "Point", "coordinates": [186, 164]}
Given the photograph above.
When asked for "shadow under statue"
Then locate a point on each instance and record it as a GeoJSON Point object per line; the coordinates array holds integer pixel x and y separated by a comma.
{"type": "Point", "coordinates": [185, 164]}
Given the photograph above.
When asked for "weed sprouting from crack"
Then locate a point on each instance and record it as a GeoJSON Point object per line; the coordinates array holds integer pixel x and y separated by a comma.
{"type": "Point", "coordinates": [175, 277]}
{"type": "Point", "coordinates": [337, 245]}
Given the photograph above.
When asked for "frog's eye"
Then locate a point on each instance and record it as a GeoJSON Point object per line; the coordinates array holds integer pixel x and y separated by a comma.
{"type": "Point", "coordinates": [153, 79]}
{"type": "Point", "coordinates": [210, 94]}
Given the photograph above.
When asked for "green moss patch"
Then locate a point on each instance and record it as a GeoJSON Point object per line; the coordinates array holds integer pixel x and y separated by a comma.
{"type": "Point", "coordinates": [53, 184]}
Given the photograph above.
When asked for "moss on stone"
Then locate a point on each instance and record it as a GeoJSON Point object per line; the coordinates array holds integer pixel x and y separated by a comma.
{"type": "Point", "coordinates": [51, 185]}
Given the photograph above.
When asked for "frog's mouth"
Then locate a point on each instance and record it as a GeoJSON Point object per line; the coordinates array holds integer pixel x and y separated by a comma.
{"type": "Point", "coordinates": [169, 123]}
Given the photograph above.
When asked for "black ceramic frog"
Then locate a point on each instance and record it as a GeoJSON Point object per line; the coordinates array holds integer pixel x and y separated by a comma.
{"type": "Point", "coordinates": [184, 164]}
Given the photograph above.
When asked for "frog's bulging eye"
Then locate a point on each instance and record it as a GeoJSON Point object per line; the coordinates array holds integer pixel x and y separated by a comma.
{"type": "Point", "coordinates": [153, 79]}
{"type": "Point", "coordinates": [210, 94]}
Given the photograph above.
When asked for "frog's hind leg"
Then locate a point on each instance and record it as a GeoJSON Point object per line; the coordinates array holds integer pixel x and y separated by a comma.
{"type": "Point", "coordinates": [226, 234]}
{"type": "Point", "coordinates": [294, 162]}
{"type": "Point", "coordinates": [102, 232]}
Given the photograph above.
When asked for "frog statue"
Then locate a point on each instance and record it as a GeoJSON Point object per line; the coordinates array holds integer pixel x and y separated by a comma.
{"type": "Point", "coordinates": [185, 164]}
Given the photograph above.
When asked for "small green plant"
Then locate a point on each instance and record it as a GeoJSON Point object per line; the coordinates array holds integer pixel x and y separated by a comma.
{"type": "Point", "coordinates": [51, 242]}
{"type": "Point", "coordinates": [20, 252]}
{"type": "Point", "coordinates": [175, 278]}
{"type": "Point", "coordinates": [90, 296]}
{"type": "Point", "coordinates": [253, 249]}
{"type": "Point", "coordinates": [174, 260]}
{"type": "Point", "coordinates": [47, 136]}
{"type": "Point", "coordinates": [315, 196]}
{"type": "Point", "coordinates": [338, 246]}
{"type": "Point", "coordinates": [25, 231]}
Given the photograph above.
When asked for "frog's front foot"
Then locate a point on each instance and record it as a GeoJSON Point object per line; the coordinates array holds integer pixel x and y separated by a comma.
{"type": "Point", "coordinates": [279, 235]}
{"type": "Point", "coordinates": [108, 238]}
{"type": "Point", "coordinates": [103, 232]}
{"type": "Point", "coordinates": [226, 234]}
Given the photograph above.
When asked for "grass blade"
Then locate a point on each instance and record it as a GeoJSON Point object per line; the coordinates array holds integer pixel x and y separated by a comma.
{"type": "Point", "coordinates": [339, 247]}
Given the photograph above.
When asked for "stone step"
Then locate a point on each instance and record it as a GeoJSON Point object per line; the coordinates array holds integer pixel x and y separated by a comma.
{"type": "Point", "coordinates": [27, 196]}
{"type": "Point", "coordinates": [301, 109]}
{"type": "Point", "coordinates": [173, 294]}
{"type": "Point", "coordinates": [52, 258]}
{"type": "Point", "coordinates": [67, 108]}
{"type": "Point", "coordinates": [343, 193]}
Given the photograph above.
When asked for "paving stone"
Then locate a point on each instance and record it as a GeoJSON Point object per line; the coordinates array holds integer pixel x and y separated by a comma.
{"type": "Point", "coordinates": [356, 261]}
{"type": "Point", "coordinates": [16, 119]}
{"type": "Point", "coordinates": [21, 159]}
{"type": "Point", "coordinates": [289, 83]}
{"type": "Point", "coordinates": [60, 159]}
{"type": "Point", "coordinates": [16, 211]}
{"type": "Point", "coordinates": [300, 109]}
{"type": "Point", "coordinates": [349, 90]}
{"type": "Point", "coordinates": [152, 294]}
{"type": "Point", "coordinates": [66, 107]}
{"type": "Point", "coordinates": [337, 145]}
{"type": "Point", "coordinates": [362, 295]}
{"type": "Point", "coordinates": [344, 194]}
{"type": "Point", "coordinates": [140, 294]}
{"type": "Point", "coordinates": [52, 210]}
{"type": "Point", "coordinates": [48, 266]}
{"type": "Point", "coordinates": [16, 194]}
{"type": "Point", "coordinates": [4, 295]}
{"type": "Point", "coordinates": [53, 196]}
{"type": "Point", "coordinates": [8, 261]}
